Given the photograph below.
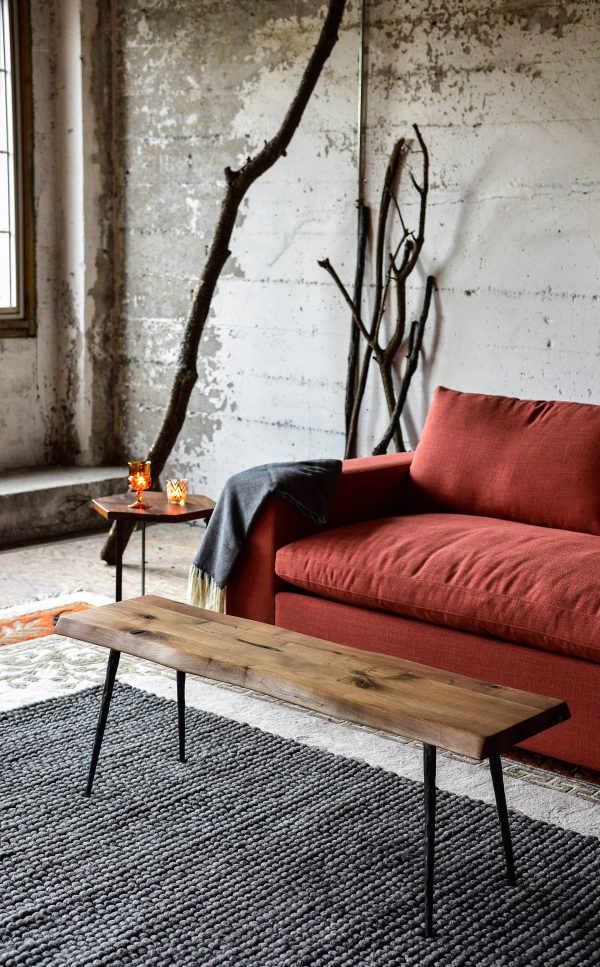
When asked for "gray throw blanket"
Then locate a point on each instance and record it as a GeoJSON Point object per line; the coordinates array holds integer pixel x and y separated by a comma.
{"type": "Point", "coordinates": [308, 485]}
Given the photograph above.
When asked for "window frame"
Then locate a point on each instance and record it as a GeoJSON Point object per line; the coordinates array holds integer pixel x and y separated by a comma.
{"type": "Point", "coordinates": [21, 321]}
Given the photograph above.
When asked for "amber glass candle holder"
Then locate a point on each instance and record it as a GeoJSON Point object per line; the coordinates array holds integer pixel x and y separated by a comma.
{"type": "Point", "coordinates": [139, 479]}
{"type": "Point", "coordinates": [176, 490]}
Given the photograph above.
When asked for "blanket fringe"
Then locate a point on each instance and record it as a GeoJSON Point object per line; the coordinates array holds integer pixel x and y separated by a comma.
{"type": "Point", "coordinates": [204, 592]}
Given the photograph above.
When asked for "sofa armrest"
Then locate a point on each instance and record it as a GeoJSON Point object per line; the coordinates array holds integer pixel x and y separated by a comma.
{"type": "Point", "coordinates": [368, 487]}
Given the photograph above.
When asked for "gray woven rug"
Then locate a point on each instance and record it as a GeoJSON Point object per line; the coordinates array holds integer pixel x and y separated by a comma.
{"type": "Point", "coordinates": [259, 851]}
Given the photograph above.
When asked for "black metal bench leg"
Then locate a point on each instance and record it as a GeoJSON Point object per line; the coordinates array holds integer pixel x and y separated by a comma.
{"type": "Point", "coordinates": [109, 681]}
{"type": "Point", "coordinates": [496, 771]}
{"type": "Point", "coordinates": [429, 786]}
{"type": "Point", "coordinates": [143, 557]}
{"type": "Point", "coordinates": [181, 713]}
{"type": "Point", "coordinates": [119, 560]}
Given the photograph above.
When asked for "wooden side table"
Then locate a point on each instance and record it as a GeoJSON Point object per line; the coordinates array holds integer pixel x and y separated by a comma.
{"type": "Point", "coordinates": [160, 511]}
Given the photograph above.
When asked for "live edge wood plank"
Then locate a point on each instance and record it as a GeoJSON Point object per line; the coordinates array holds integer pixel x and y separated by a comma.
{"type": "Point", "coordinates": [463, 715]}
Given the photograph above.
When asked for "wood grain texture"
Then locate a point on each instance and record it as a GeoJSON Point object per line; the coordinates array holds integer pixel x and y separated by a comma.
{"type": "Point", "coordinates": [116, 507]}
{"type": "Point", "coordinates": [460, 714]}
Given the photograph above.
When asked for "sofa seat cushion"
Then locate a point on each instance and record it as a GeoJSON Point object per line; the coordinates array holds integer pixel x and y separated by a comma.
{"type": "Point", "coordinates": [528, 584]}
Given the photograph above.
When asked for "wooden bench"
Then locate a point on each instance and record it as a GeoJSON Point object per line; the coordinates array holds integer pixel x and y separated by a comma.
{"type": "Point", "coordinates": [439, 709]}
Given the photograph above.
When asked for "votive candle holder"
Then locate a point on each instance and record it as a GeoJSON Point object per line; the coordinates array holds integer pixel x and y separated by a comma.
{"type": "Point", "coordinates": [177, 490]}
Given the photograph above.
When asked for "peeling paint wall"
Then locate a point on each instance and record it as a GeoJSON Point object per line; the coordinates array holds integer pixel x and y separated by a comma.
{"type": "Point", "coordinates": [206, 84]}
{"type": "Point", "coordinates": [506, 94]}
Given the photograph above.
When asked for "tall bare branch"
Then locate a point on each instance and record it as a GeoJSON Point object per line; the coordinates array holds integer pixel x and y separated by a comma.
{"type": "Point", "coordinates": [391, 175]}
{"type": "Point", "coordinates": [326, 264]}
{"type": "Point", "coordinates": [412, 361]}
{"type": "Point", "coordinates": [352, 370]}
{"type": "Point", "coordinates": [237, 185]}
{"type": "Point", "coordinates": [384, 355]}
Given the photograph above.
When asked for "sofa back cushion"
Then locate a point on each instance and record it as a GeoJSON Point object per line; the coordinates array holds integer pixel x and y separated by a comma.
{"type": "Point", "coordinates": [525, 460]}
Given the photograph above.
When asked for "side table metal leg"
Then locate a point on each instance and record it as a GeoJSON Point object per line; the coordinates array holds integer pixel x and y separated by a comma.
{"type": "Point", "coordinates": [429, 788]}
{"type": "Point", "coordinates": [181, 713]}
{"type": "Point", "coordinates": [119, 561]}
{"type": "Point", "coordinates": [498, 781]}
{"type": "Point", "coordinates": [143, 557]}
{"type": "Point", "coordinates": [109, 681]}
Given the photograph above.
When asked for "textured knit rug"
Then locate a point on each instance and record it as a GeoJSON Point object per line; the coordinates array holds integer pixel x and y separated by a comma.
{"type": "Point", "coordinates": [259, 851]}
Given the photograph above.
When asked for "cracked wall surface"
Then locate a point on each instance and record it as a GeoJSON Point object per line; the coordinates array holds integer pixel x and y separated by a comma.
{"type": "Point", "coordinates": [270, 385]}
{"type": "Point", "coordinates": [506, 94]}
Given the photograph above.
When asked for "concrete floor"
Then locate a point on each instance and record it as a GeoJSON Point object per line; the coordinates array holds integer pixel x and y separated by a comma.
{"type": "Point", "coordinates": [42, 570]}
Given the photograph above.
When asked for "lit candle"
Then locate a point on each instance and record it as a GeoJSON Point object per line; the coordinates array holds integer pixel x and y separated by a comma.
{"type": "Point", "coordinates": [176, 490]}
{"type": "Point", "coordinates": [139, 480]}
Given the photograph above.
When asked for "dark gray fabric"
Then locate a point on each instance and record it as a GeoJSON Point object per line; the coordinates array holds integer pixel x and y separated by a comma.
{"type": "Point", "coordinates": [309, 485]}
{"type": "Point", "coordinates": [259, 852]}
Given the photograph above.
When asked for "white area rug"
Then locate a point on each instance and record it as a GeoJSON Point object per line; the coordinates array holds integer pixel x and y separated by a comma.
{"type": "Point", "coordinates": [53, 666]}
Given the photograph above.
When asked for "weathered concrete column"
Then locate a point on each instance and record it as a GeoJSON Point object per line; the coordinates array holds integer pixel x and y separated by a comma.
{"type": "Point", "coordinates": [85, 187]}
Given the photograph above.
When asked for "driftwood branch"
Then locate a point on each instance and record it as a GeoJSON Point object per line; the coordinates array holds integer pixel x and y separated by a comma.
{"type": "Point", "coordinates": [388, 278]}
{"type": "Point", "coordinates": [391, 175]}
{"type": "Point", "coordinates": [364, 216]}
{"type": "Point", "coordinates": [392, 275]}
{"type": "Point", "coordinates": [400, 281]}
{"type": "Point", "coordinates": [417, 332]}
{"type": "Point", "coordinates": [326, 264]}
{"type": "Point", "coordinates": [237, 185]}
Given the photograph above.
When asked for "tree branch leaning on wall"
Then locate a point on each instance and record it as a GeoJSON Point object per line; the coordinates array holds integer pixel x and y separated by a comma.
{"type": "Point", "coordinates": [395, 275]}
{"type": "Point", "coordinates": [237, 184]}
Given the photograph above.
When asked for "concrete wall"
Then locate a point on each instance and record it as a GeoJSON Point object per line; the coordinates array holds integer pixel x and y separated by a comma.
{"type": "Point", "coordinates": [506, 94]}
{"type": "Point", "coordinates": [58, 401]}
{"type": "Point", "coordinates": [205, 84]}
{"type": "Point", "coordinates": [28, 366]}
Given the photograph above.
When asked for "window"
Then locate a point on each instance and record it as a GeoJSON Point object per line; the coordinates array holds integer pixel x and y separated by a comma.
{"type": "Point", "coordinates": [16, 236]}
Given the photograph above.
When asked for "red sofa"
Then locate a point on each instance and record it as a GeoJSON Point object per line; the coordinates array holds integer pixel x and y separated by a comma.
{"type": "Point", "coordinates": [479, 554]}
